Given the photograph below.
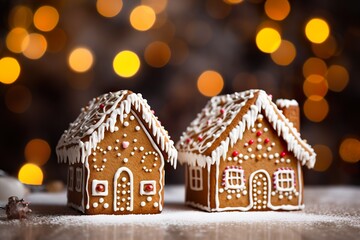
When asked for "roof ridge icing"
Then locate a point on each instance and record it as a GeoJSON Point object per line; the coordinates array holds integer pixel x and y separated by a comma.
{"type": "Point", "coordinates": [187, 148]}
{"type": "Point", "coordinates": [102, 114]}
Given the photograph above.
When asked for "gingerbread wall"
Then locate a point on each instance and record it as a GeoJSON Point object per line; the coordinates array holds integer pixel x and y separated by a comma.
{"type": "Point", "coordinates": [197, 196]}
{"type": "Point", "coordinates": [261, 151]}
{"type": "Point", "coordinates": [126, 155]}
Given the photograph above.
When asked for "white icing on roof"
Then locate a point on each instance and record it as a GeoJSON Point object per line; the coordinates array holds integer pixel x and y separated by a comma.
{"type": "Point", "coordinates": [102, 114]}
{"type": "Point", "coordinates": [191, 151]}
{"type": "Point", "coordinates": [285, 103]}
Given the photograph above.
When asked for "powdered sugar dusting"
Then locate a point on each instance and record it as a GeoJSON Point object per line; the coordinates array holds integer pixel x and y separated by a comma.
{"type": "Point", "coordinates": [320, 208]}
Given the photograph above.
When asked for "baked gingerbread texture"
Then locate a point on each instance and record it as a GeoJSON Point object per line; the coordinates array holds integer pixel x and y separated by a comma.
{"type": "Point", "coordinates": [116, 150]}
{"type": "Point", "coordinates": [244, 153]}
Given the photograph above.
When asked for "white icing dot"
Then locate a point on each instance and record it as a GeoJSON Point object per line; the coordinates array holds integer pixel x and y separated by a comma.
{"type": "Point", "coordinates": [258, 147]}
{"type": "Point", "coordinates": [229, 158]}
{"type": "Point", "coordinates": [117, 140]}
{"type": "Point", "coordinates": [95, 204]}
{"type": "Point", "coordinates": [221, 190]}
{"type": "Point", "coordinates": [273, 144]}
{"type": "Point", "coordinates": [123, 179]}
{"type": "Point", "coordinates": [122, 209]}
{"type": "Point", "coordinates": [126, 160]}
{"type": "Point", "coordinates": [101, 200]}
{"type": "Point", "coordinates": [228, 197]}
{"type": "Point", "coordinates": [94, 153]}
{"type": "Point", "coordinates": [94, 159]}
{"type": "Point", "coordinates": [132, 153]}
{"type": "Point", "coordinates": [95, 166]}
{"type": "Point", "coordinates": [128, 208]}
{"type": "Point", "coordinates": [246, 144]}
{"type": "Point", "coordinates": [244, 192]}
{"type": "Point", "coordinates": [290, 197]}
{"type": "Point", "coordinates": [109, 148]}
{"type": "Point", "coordinates": [124, 135]}
{"type": "Point", "coordinates": [118, 154]}
{"type": "Point", "coordinates": [241, 155]}
{"type": "Point", "coordinates": [142, 161]}
{"type": "Point", "coordinates": [141, 148]}
{"type": "Point", "coordinates": [253, 129]}
{"type": "Point", "coordinates": [276, 161]}
{"type": "Point", "coordinates": [106, 205]}
{"type": "Point", "coordinates": [276, 155]}
{"type": "Point", "coordinates": [132, 117]}
{"type": "Point", "coordinates": [264, 155]}
{"type": "Point", "coordinates": [271, 156]}
{"type": "Point", "coordinates": [296, 194]}
{"type": "Point", "coordinates": [266, 129]}
{"type": "Point", "coordinates": [288, 160]}
{"type": "Point", "coordinates": [126, 124]}
{"type": "Point", "coordinates": [259, 140]}
{"type": "Point", "coordinates": [249, 150]}
{"type": "Point", "coordinates": [116, 128]}
{"type": "Point", "coordinates": [104, 152]}
{"type": "Point", "coordinates": [252, 155]}
{"type": "Point", "coordinates": [143, 204]}
{"type": "Point", "coordinates": [259, 125]}
{"type": "Point", "coordinates": [282, 160]}
{"type": "Point", "coordinates": [104, 160]}
{"type": "Point", "coordinates": [156, 204]}
{"type": "Point", "coordinates": [258, 183]}
{"type": "Point", "coordinates": [135, 140]}
{"type": "Point", "coordinates": [149, 199]}
{"type": "Point", "coordinates": [236, 158]}
{"type": "Point", "coordinates": [137, 128]}
{"type": "Point", "coordinates": [154, 164]}
{"type": "Point", "coordinates": [268, 149]}
{"type": "Point", "coordinates": [246, 157]}
{"type": "Point", "coordinates": [281, 196]}
{"type": "Point", "coordinates": [123, 192]}
{"type": "Point", "coordinates": [273, 193]}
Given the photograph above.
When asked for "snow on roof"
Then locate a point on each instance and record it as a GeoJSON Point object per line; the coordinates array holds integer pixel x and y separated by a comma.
{"type": "Point", "coordinates": [208, 137]}
{"type": "Point", "coordinates": [100, 115]}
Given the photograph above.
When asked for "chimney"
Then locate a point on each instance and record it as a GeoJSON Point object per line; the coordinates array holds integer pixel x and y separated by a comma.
{"type": "Point", "coordinates": [290, 109]}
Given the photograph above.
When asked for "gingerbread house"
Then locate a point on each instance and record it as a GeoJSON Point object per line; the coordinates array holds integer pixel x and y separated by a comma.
{"type": "Point", "coordinates": [116, 150]}
{"type": "Point", "coordinates": [243, 152]}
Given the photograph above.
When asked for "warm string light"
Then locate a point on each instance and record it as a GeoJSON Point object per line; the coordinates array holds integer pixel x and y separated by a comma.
{"type": "Point", "coordinates": [9, 70]}
{"type": "Point", "coordinates": [210, 83]}
{"type": "Point", "coordinates": [126, 64]}
{"type": "Point", "coordinates": [31, 174]}
{"type": "Point", "coordinates": [80, 59]}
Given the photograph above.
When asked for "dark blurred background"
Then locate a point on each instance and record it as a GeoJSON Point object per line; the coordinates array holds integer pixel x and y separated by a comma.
{"type": "Point", "coordinates": [57, 55]}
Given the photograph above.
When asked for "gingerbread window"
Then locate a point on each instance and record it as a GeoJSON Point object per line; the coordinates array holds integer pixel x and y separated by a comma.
{"type": "Point", "coordinates": [148, 187]}
{"type": "Point", "coordinates": [78, 179]}
{"type": "Point", "coordinates": [234, 178]}
{"type": "Point", "coordinates": [99, 187]}
{"type": "Point", "coordinates": [284, 179]}
{"type": "Point", "coordinates": [196, 181]}
{"type": "Point", "coordinates": [71, 178]}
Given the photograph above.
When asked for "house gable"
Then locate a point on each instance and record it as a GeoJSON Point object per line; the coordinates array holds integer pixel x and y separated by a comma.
{"type": "Point", "coordinates": [232, 115]}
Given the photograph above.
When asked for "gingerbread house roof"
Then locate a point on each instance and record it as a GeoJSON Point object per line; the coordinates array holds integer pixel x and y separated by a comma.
{"type": "Point", "coordinates": [101, 115]}
{"type": "Point", "coordinates": [222, 122]}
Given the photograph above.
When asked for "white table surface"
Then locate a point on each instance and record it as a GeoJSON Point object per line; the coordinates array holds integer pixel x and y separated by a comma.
{"type": "Point", "coordinates": [330, 213]}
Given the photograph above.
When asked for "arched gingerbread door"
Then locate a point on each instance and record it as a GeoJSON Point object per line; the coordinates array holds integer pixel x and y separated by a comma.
{"type": "Point", "coordinates": [260, 184]}
{"type": "Point", "coordinates": [123, 190]}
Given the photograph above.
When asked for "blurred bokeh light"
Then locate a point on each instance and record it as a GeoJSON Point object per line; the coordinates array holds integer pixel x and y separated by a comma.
{"type": "Point", "coordinates": [337, 77]}
{"type": "Point", "coordinates": [81, 59]}
{"type": "Point", "coordinates": [157, 54]}
{"type": "Point", "coordinates": [126, 64]}
{"type": "Point", "coordinates": [317, 30]}
{"type": "Point", "coordinates": [31, 174]}
{"type": "Point", "coordinates": [350, 150]}
{"type": "Point", "coordinates": [46, 18]}
{"type": "Point", "coordinates": [210, 83]}
{"type": "Point", "coordinates": [316, 108]}
{"type": "Point", "coordinates": [142, 18]}
{"type": "Point", "coordinates": [34, 46]}
{"type": "Point", "coordinates": [109, 8]}
{"type": "Point", "coordinates": [9, 70]}
{"type": "Point", "coordinates": [268, 40]}
{"type": "Point", "coordinates": [277, 9]}
{"type": "Point", "coordinates": [285, 54]}
{"type": "Point", "coordinates": [324, 157]}
{"type": "Point", "coordinates": [15, 38]}
{"type": "Point", "coordinates": [37, 151]}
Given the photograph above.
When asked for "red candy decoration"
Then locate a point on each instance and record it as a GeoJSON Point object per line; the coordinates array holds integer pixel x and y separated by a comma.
{"type": "Point", "coordinates": [222, 111]}
{"type": "Point", "coordinates": [235, 153]}
{"type": "Point", "coordinates": [251, 141]}
{"type": "Point", "coordinates": [259, 133]}
{"type": "Point", "coordinates": [101, 106]}
{"type": "Point", "coordinates": [266, 140]}
{"type": "Point", "coordinates": [188, 140]}
{"type": "Point", "coordinates": [200, 138]}
{"type": "Point", "coordinates": [100, 188]}
{"type": "Point", "coordinates": [148, 187]}
{"type": "Point", "coordinates": [282, 154]}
